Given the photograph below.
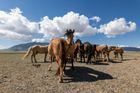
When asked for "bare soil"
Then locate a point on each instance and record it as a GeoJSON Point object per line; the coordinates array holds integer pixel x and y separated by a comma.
{"type": "Point", "coordinates": [19, 76]}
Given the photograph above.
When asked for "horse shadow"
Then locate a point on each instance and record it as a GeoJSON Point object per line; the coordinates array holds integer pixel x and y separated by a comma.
{"type": "Point", "coordinates": [100, 62]}
{"type": "Point", "coordinates": [129, 59]}
{"type": "Point", "coordinates": [115, 61]}
{"type": "Point", "coordinates": [85, 74]}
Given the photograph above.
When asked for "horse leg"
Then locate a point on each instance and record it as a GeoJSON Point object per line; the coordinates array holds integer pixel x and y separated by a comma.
{"type": "Point", "coordinates": [84, 58]}
{"type": "Point", "coordinates": [108, 59]}
{"type": "Point", "coordinates": [94, 57]}
{"type": "Point", "coordinates": [76, 57]}
{"type": "Point", "coordinates": [97, 56]}
{"type": "Point", "coordinates": [34, 55]}
{"type": "Point", "coordinates": [81, 58]}
{"type": "Point", "coordinates": [32, 59]}
{"type": "Point", "coordinates": [45, 57]}
{"type": "Point", "coordinates": [117, 56]}
{"type": "Point", "coordinates": [35, 58]}
{"type": "Point", "coordinates": [88, 58]}
{"type": "Point", "coordinates": [61, 69]}
{"type": "Point", "coordinates": [72, 63]}
{"type": "Point", "coordinates": [50, 66]}
{"type": "Point", "coordinates": [65, 64]}
{"type": "Point", "coordinates": [121, 56]}
{"type": "Point", "coordinates": [58, 70]}
{"type": "Point", "coordinates": [103, 57]}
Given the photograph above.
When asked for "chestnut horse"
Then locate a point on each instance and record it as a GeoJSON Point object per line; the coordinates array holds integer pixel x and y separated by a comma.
{"type": "Point", "coordinates": [35, 50]}
{"type": "Point", "coordinates": [58, 47]}
{"type": "Point", "coordinates": [117, 51]}
{"type": "Point", "coordinates": [70, 55]}
{"type": "Point", "coordinates": [102, 49]}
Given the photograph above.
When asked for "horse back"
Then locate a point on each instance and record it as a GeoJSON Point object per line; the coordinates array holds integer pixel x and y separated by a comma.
{"type": "Point", "coordinates": [56, 45]}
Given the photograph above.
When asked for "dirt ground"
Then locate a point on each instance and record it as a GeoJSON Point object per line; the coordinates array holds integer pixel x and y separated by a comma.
{"type": "Point", "coordinates": [19, 76]}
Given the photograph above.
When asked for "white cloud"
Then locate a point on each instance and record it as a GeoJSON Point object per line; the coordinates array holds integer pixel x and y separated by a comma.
{"type": "Point", "coordinates": [3, 47]}
{"type": "Point", "coordinates": [38, 40]}
{"type": "Point", "coordinates": [138, 46]}
{"type": "Point", "coordinates": [117, 27]}
{"type": "Point", "coordinates": [14, 35]}
{"type": "Point", "coordinates": [96, 18]}
{"type": "Point", "coordinates": [58, 25]}
{"type": "Point", "coordinates": [13, 25]}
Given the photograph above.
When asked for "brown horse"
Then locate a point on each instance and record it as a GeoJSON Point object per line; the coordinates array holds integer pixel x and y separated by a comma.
{"type": "Point", "coordinates": [58, 47]}
{"type": "Point", "coordinates": [117, 51]}
{"type": "Point", "coordinates": [102, 49]}
{"type": "Point", "coordinates": [35, 50]}
{"type": "Point", "coordinates": [70, 55]}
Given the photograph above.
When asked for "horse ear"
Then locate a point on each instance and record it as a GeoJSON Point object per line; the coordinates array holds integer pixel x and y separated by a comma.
{"type": "Point", "coordinates": [67, 30]}
{"type": "Point", "coordinates": [73, 31]}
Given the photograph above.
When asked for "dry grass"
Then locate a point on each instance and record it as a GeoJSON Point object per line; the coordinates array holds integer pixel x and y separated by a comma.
{"type": "Point", "coordinates": [19, 76]}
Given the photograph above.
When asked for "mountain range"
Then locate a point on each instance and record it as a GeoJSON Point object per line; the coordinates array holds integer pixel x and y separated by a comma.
{"type": "Point", "coordinates": [25, 46]}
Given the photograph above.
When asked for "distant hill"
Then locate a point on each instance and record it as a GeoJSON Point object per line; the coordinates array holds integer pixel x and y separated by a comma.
{"type": "Point", "coordinates": [131, 49]}
{"type": "Point", "coordinates": [25, 46]}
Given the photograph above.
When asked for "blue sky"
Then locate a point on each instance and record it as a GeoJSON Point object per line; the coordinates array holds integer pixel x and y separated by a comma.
{"type": "Point", "coordinates": [112, 22]}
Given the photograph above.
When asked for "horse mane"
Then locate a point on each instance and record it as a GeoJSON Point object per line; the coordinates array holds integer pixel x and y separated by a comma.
{"type": "Point", "coordinates": [87, 43]}
{"type": "Point", "coordinates": [78, 40]}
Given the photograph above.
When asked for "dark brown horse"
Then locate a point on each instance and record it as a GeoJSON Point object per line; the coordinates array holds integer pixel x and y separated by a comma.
{"type": "Point", "coordinates": [94, 51]}
{"type": "Point", "coordinates": [80, 50]}
{"type": "Point", "coordinates": [58, 48]}
{"type": "Point", "coordinates": [88, 50]}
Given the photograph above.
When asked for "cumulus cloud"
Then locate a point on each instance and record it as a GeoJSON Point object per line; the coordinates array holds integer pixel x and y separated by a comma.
{"type": "Point", "coordinates": [13, 25]}
{"type": "Point", "coordinates": [58, 25]}
{"type": "Point", "coordinates": [117, 27]}
{"type": "Point", "coordinates": [96, 18]}
{"type": "Point", "coordinates": [14, 35]}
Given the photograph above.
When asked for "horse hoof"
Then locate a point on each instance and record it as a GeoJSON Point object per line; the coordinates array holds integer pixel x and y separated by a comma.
{"type": "Point", "coordinates": [60, 81]}
{"type": "Point", "coordinates": [73, 68]}
{"type": "Point", "coordinates": [56, 74]}
{"type": "Point", "coordinates": [49, 70]}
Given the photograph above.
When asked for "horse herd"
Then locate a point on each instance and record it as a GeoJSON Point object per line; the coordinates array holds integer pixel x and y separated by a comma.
{"type": "Point", "coordinates": [62, 50]}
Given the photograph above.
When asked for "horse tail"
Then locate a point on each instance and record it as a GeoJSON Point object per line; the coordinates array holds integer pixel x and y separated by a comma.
{"type": "Point", "coordinates": [27, 53]}
{"type": "Point", "coordinates": [62, 52]}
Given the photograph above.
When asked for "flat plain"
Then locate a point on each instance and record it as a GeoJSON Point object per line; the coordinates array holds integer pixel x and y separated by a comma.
{"type": "Point", "coordinates": [19, 76]}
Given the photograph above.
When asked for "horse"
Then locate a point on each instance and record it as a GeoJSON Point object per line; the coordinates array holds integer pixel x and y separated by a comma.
{"type": "Point", "coordinates": [94, 51]}
{"type": "Point", "coordinates": [117, 51]}
{"type": "Point", "coordinates": [102, 49]}
{"type": "Point", "coordinates": [80, 50]}
{"type": "Point", "coordinates": [58, 47]}
{"type": "Point", "coordinates": [35, 50]}
{"type": "Point", "coordinates": [70, 55]}
{"type": "Point", "coordinates": [88, 51]}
